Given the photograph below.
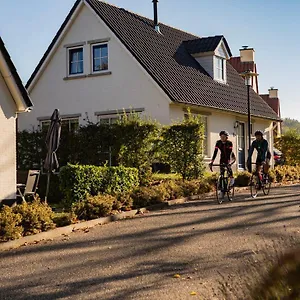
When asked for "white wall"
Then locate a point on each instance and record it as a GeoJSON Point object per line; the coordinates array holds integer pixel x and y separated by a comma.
{"type": "Point", "coordinates": [218, 121]}
{"type": "Point", "coordinates": [7, 144]}
{"type": "Point", "coordinates": [127, 87]}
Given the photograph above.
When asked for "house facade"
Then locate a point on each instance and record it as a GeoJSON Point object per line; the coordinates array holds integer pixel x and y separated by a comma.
{"type": "Point", "coordinates": [13, 100]}
{"type": "Point", "coordinates": [105, 60]}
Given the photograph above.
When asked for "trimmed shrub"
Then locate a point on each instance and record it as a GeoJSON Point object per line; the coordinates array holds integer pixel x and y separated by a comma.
{"type": "Point", "coordinates": [78, 182]}
{"type": "Point", "coordinates": [64, 219]}
{"type": "Point", "coordinates": [242, 179]}
{"type": "Point", "coordinates": [190, 188]}
{"type": "Point", "coordinates": [35, 217]}
{"type": "Point", "coordinates": [93, 207]}
{"type": "Point", "coordinates": [10, 227]}
{"type": "Point", "coordinates": [124, 202]}
{"type": "Point", "coordinates": [173, 189]}
{"type": "Point", "coordinates": [145, 196]}
{"type": "Point", "coordinates": [182, 147]}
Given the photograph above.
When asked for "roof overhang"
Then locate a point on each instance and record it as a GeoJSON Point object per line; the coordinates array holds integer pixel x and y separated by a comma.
{"type": "Point", "coordinates": [13, 81]}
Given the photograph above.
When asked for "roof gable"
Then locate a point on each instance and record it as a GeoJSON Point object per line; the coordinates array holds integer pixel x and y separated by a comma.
{"type": "Point", "coordinates": [167, 60]}
{"type": "Point", "coordinates": [13, 82]}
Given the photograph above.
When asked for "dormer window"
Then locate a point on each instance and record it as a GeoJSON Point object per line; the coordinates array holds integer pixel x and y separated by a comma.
{"type": "Point", "coordinates": [220, 70]}
{"type": "Point", "coordinates": [211, 53]}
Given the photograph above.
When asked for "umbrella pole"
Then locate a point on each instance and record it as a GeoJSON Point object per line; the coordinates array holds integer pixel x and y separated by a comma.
{"type": "Point", "coordinates": [48, 186]}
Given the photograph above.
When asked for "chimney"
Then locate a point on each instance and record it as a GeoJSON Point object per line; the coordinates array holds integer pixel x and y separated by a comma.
{"type": "Point", "coordinates": [273, 93]}
{"type": "Point", "coordinates": [156, 26]}
{"type": "Point", "coordinates": [247, 54]}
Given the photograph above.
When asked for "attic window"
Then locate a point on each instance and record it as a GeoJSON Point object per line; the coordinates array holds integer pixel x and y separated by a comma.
{"type": "Point", "coordinates": [75, 60]}
{"type": "Point", "coordinates": [100, 57]}
{"type": "Point", "coordinates": [220, 70]}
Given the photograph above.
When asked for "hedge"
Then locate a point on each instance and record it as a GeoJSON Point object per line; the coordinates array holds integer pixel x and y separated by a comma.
{"type": "Point", "coordinates": [77, 182]}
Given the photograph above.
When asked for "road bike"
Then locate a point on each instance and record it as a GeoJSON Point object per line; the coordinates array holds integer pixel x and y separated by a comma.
{"type": "Point", "coordinates": [259, 181]}
{"type": "Point", "coordinates": [223, 185]}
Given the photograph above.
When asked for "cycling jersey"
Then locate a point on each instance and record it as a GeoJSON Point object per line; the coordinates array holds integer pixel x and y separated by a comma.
{"type": "Point", "coordinates": [226, 151]}
{"type": "Point", "coordinates": [262, 148]}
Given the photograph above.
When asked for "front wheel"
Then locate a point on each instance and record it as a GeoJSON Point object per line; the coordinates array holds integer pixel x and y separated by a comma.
{"type": "Point", "coordinates": [254, 185]}
{"type": "Point", "coordinates": [220, 189]}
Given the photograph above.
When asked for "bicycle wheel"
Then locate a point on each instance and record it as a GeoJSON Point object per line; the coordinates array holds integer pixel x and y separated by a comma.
{"type": "Point", "coordinates": [254, 185]}
{"type": "Point", "coordinates": [220, 190]}
{"type": "Point", "coordinates": [230, 192]}
{"type": "Point", "coordinates": [267, 185]}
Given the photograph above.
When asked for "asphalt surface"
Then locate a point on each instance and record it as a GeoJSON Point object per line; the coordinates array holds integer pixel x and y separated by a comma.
{"type": "Point", "coordinates": [203, 242]}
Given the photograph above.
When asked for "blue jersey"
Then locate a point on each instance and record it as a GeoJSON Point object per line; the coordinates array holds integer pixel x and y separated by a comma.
{"type": "Point", "coordinates": [261, 147]}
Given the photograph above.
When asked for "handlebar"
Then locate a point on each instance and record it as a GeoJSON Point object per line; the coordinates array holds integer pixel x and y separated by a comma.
{"type": "Point", "coordinates": [219, 165]}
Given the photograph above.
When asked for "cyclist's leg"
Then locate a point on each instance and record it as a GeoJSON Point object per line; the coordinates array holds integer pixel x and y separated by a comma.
{"type": "Point", "coordinates": [258, 170]}
{"type": "Point", "coordinates": [230, 175]}
{"type": "Point", "coordinates": [266, 166]}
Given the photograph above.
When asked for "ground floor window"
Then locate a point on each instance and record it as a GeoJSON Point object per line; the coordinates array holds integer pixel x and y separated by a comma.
{"type": "Point", "coordinates": [68, 124]}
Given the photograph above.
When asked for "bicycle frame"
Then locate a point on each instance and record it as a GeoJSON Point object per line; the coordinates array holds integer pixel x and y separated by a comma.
{"type": "Point", "coordinates": [222, 183]}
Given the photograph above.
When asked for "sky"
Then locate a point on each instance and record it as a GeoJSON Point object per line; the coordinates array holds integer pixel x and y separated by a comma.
{"type": "Point", "coordinates": [271, 27]}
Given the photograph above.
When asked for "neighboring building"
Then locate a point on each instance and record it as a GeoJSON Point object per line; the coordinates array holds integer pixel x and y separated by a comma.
{"type": "Point", "coordinates": [105, 59]}
{"type": "Point", "coordinates": [274, 102]}
{"type": "Point", "coordinates": [246, 62]}
{"type": "Point", "coordinates": [13, 100]}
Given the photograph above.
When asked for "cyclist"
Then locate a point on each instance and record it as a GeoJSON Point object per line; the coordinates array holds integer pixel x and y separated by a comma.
{"type": "Point", "coordinates": [263, 154]}
{"type": "Point", "coordinates": [227, 156]}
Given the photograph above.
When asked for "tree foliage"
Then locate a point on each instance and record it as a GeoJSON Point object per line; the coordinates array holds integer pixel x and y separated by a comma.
{"type": "Point", "coordinates": [182, 147]}
{"type": "Point", "coordinates": [288, 144]}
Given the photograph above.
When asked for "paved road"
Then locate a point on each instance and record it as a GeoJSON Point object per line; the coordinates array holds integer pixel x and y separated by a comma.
{"type": "Point", "coordinates": [137, 258]}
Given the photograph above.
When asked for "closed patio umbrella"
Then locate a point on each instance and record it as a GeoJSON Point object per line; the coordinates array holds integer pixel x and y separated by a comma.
{"type": "Point", "coordinates": [52, 143]}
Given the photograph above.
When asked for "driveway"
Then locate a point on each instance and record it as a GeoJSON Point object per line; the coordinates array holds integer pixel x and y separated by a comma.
{"type": "Point", "coordinates": [203, 242]}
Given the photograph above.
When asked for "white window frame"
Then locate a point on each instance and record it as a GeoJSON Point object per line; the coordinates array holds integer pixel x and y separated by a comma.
{"type": "Point", "coordinates": [109, 118]}
{"type": "Point", "coordinates": [68, 61]}
{"type": "Point", "coordinates": [70, 119]}
{"type": "Point", "coordinates": [63, 120]}
{"type": "Point", "coordinates": [220, 69]}
{"type": "Point", "coordinates": [92, 57]}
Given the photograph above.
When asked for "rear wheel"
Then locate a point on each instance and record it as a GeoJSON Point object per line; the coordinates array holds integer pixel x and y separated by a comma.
{"type": "Point", "coordinates": [267, 185]}
{"type": "Point", "coordinates": [220, 189]}
{"type": "Point", "coordinates": [254, 185]}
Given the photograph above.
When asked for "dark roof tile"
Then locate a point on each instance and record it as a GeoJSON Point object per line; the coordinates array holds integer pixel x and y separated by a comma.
{"type": "Point", "coordinates": [165, 57]}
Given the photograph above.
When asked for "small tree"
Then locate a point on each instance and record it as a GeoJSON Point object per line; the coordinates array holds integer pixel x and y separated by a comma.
{"type": "Point", "coordinates": [133, 143]}
{"type": "Point", "coordinates": [182, 147]}
{"type": "Point", "coordinates": [289, 145]}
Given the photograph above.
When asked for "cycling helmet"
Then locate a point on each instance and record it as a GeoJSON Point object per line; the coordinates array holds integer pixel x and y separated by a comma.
{"type": "Point", "coordinates": [224, 132]}
{"type": "Point", "coordinates": [258, 132]}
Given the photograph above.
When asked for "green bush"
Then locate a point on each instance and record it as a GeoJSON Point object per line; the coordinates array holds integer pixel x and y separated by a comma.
{"type": "Point", "coordinates": [181, 147]}
{"type": "Point", "coordinates": [124, 202]}
{"type": "Point", "coordinates": [146, 196]}
{"type": "Point", "coordinates": [10, 227]}
{"type": "Point", "coordinates": [35, 217]}
{"type": "Point", "coordinates": [64, 219]}
{"type": "Point", "coordinates": [242, 179]}
{"type": "Point", "coordinates": [77, 182]}
{"type": "Point", "coordinates": [286, 173]}
{"type": "Point", "coordinates": [174, 189]}
{"type": "Point", "coordinates": [94, 207]}
{"type": "Point", "coordinates": [190, 188]}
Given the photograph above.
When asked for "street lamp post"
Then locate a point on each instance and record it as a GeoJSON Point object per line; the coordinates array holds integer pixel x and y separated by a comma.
{"type": "Point", "coordinates": [248, 75]}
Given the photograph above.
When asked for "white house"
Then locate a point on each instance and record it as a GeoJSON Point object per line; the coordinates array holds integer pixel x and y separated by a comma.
{"type": "Point", "coordinates": [105, 59]}
{"type": "Point", "coordinates": [13, 100]}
